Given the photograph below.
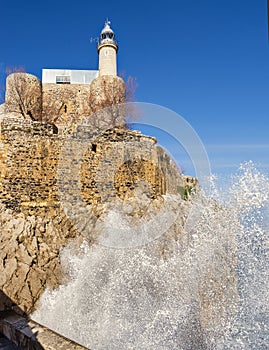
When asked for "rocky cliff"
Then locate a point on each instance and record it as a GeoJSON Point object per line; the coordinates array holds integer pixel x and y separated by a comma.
{"type": "Point", "coordinates": [40, 171]}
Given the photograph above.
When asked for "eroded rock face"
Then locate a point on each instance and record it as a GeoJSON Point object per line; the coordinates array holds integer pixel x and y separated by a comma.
{"type": "Point", "coordinates": [29, 254]}
{"type": "Point", "coordinates": [30, 246]}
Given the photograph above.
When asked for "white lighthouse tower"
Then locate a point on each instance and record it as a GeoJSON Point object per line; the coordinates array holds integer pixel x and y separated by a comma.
{"type": "Point", "coordinates": [107, 50]}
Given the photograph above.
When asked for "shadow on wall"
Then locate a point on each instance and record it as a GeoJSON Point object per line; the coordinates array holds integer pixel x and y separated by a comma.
{"type": "Point", "coordinates": [14, 325]}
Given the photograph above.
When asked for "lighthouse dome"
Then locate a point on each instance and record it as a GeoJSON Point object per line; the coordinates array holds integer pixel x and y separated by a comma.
{"type": "Point", "coordinates": [107, 34]}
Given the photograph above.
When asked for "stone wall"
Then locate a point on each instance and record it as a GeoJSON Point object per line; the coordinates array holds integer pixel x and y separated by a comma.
{"type": "Point", "coordinates": [108, 165]}
{"type": "Point", "coordinates": [65, 105]}
{"type": "Point", "coordinates": [28, 158]}
{"type": "Point", "coordinates": [117, 160]}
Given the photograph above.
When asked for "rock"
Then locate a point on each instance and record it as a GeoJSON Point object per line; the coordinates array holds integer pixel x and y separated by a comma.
{"type": "Point", "coordinates": [18, 226]}
{"type": "Point", "coordinates": [3, 278]}
{"type": "Point", "coordinates": [23, 256]}
{"type": "Point", "coordinates": [32, 248]}
{"type": "Point", "coordinates": [9, 246]}
{"type": "Point", "coordinates": [44, 254]}
{"type": "Point", "coordinates": [10, 267]}
{"type": "Point", "coordinates": [36, 279]}
{"type": "Point", "coordinates": [21, 273]}
{"type": "Point", "coordinates": [25, 295]}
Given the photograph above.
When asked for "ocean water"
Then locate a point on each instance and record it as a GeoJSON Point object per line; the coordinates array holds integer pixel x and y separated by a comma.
{"type": "Point", "coordinates": [205, 287]}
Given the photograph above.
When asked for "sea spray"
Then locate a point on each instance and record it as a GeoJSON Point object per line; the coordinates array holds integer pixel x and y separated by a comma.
{"type": "Point", "coordinates": [249, 196]}
{"type": "Point", "coordinates": [205, 288]}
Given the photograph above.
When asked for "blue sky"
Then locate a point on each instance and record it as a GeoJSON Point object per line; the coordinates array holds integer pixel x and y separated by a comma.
{"type": "Point", "coordinates": [207, 60]}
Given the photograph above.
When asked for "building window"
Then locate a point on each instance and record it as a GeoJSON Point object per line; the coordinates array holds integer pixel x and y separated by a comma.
{"type": "Point", "coordinates": [63, 79]}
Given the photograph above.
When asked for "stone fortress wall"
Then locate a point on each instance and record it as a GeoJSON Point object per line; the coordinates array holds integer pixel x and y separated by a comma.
{"type": "Point", "coordinates": [30, 153]}
{"type": "Point", "coordinates": [66, 105]}
{"type": "Point", "coordinates": [63, 105]}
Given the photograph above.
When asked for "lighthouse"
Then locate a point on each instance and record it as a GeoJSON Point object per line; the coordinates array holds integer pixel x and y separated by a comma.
{"type": "Point", "coordinates": [107, 50]}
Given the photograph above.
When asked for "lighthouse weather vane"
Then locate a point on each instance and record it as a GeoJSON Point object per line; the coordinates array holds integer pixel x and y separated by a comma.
{"type": "Point", "coordinates": [96, 39]}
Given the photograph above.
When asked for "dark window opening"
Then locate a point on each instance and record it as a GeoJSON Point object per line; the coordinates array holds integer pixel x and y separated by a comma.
{"type": "Point", "coordinates": [94, 147]}
{"type": "Point", "coordinates": [65, 108]}
{"type": "Point", "coordinates": [63, 79]}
